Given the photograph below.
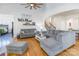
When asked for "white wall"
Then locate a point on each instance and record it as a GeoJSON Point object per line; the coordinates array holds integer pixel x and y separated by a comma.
{"type": "Point", "coordinates": [74, 20]}
{"type": "Point", "coordinates": [59, 22]}
{"type": "Point", "coordinates": [37, 16]}
{"type": "Point", "coordinates": [62, 21]}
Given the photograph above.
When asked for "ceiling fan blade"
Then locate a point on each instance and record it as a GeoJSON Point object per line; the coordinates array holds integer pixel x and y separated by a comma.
{"type": "Point", "coordinates": [38, 6]}
{"type": "Point", "coordinates": [27, 6]}
{"type": "Point", "coordinates": [30, 7]}
{"type": "Point", "coordinates": [34, 7]}
{"type": "Point", "coordinates": [23, 4]}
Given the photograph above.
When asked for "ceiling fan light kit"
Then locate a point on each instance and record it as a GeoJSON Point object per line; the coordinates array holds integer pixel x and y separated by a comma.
{"type": "Point", "coordinates": [33, 5]}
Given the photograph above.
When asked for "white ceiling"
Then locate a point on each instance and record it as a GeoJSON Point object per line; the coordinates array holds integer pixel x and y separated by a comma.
{"type": "Point", "coordinates": [70, 12]}
{"type": "Point", "coordinates": [13, 8]}
{"type": "Point", "coordinates": [17, 8]}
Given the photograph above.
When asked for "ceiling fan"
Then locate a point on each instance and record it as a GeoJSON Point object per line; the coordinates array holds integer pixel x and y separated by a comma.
{"type": "Point", "coordinates": [33, 5]}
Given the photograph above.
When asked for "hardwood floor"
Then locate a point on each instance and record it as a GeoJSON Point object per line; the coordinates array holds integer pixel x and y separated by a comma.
{"type": "Point", "coordinates": [34, 48]}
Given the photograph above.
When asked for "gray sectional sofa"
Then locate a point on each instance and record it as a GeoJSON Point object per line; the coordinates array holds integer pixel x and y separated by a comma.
{"type": "Point", "coordinates": [57, 41]}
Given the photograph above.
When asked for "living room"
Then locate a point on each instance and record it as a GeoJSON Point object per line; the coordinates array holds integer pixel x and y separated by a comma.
{"type": "Point", "coordinates": [39, 29]}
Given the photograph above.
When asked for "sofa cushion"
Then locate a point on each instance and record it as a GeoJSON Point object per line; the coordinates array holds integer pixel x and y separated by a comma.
{"type": "Point", "coordinates": [51, 43]}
